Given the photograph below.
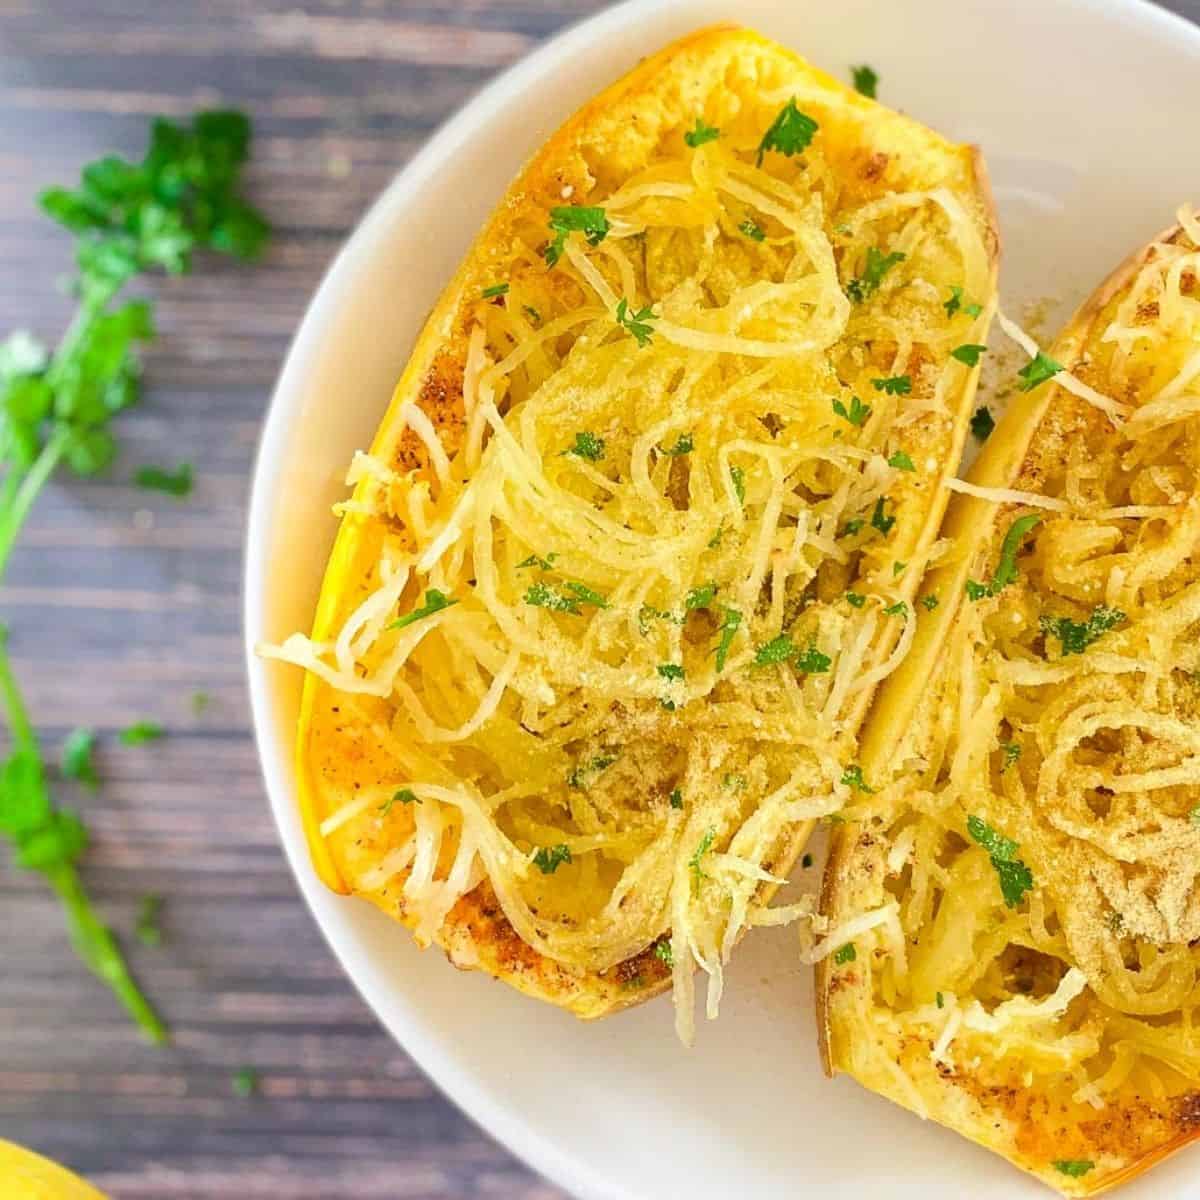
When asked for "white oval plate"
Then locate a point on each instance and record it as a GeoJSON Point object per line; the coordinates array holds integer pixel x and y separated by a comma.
{"type": "Point", "coordinates": [1082, 108]}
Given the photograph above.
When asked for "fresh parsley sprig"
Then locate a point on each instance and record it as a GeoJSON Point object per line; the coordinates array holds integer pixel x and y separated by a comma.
{"type": "Point", "coordinates": [57, 406]}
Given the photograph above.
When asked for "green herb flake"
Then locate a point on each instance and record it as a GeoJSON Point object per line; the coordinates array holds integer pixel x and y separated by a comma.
{"type": "Point", "coordinates": [1006, 568]}
{"type": "Point", "coordinates": [676, 798]}
{"type": "Point", "coordinates": [684, 444]}
{"type": "Point", "coordinates": [790, 133]}
{"type": "Point", "coordinates": [245, 1082]}
{"type": "Point", "coordinates": [777, 650]}
{"type": "Point", "coordinates": [812, 661]}
{"type": "Point", "coordinates": [636, 323]}
{"type": "Point", "coordinates": [930, 602]}
{"type": "Point", "coordinates": [146, 927]}
{"type": "Point", "coordinates": [664, 952]}
{"type": "Point", "coordinates": [587, 445]}
{"type": "Point", "coordinates": [941, 1000]}
{"type": "Point", "coordinates": [956, 302]}
{"type": "Point", "coordinates": [877, 266]}
{"type": "Point", "coordinates": [584, 775]}
{"type": "Point", "coordinates": [541, 595]}
{"type": "Point", "coordinates": [670, 671]}
{"type": "Point", "coordinates": [856, 414]}
{"type": "Point", "coordinates": [497, 289]}
{"type": "Point", "coordinates": [898, 568]}
{"type": "Point", "coordinates": [403, 796]}
{"type": "Point", "coordinates": [532, 313]}
{"type": "Point", "coordinates": [855, 599]}
{"type": "Point", "coordinates": [1015, 877]}
{"type": "Point", "coordinates": [435, 601]}
{"type": "Point", "coordinates": [592, 222]}
{"type": "Point", "coordinates": [901, 461]}
{"type": "Point", "coordinates": [1011, 752]}
{"type": "Point", "coordinates": [1076, 636]}
{"type": "Point", "coordinates": [700, 597]}
{"type": "Point", "coordinates": [536, 560]}
{"type": "Point", "coordinates": [879, 520]}
{"type": "Point", "coordinates": [77, 760]}
{"type": "Point", "coordinates": [753, 230]}
{"type": "Point", "coordinates": [694, 863]}
{"type": "Point", "coordinates": [865, 81]}
{"type": "Point", "coordinates": [702, 133]}
{"type": "Point", "coordinates": [141, 732]}
{"type": "Point", "coordinates": [846, 954]}
{"type": "Point", "coordinates": [852, 777]}
{"type": "Point", "coordinates": [715, 541]}
{"type": "Point", "coordinates": [549, 858]}
{"type": "Point", "coordinates": [982, 423]}
{"type": "Point", "coordinates": [731, 621]}
{"type": "Point", "coordinates": [584, 594]}
{"type": "Point", "coordinates": [177, 483]}
{"type": "Point", "coordinates": [899, 609]}
{"type": "Point", "coordinates": [968, 353]}
{"type": "Point", "coordinates": [853, 526]}
{"type": "Point", "coordinates": [893, 385]}
{"type": "Point", "coordinates": [1076, 1168]}
{"type": "Point", "coordinates": [739, 483]}
{"type": "Point", "coordinates": [1037, 371]}
{"type": "Point", "coordinates": [975, 590]}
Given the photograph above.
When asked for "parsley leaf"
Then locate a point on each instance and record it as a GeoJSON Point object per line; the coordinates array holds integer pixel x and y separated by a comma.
{"type": "Point", "coordinates": [899, 609]}
{"type": "Point", "coordinates": [402, 796]}
{"type": "Point", "coordinates": [975, 590]}
{"type": "Point", "coordinates": [584, 775]}
{"type": "Point", "coordinates": [684, 444]}
{"type": "Point", "coordinates": [1015, 877]}
{"type": "Point", "coordinates": [753, 230]}
{"type": "Point", "coordinates": [141, 732]}
{"type": "Point", "coordinates": [956, 302]}
{"type": "Point", "coordinates": [702, 133]}
{"type": "Point", "coordinates": [893, 385]}
{"type": "Point", "coordinates": [739, 483]}
{"type": "Point", "coordinates": [497, 289]}
{"type": "Point", "coordinates": [536, 560]}
{"type": "Point", "coordinates": [856, 414]}
{"type": "Point", "coordinates": [1077, 1168]}
{"type": "Point", "coordinates": [540, 595]}
{"type": "Point", "coordinates": [930, 602]}
{"type": "Point", "coordinates": [852, 777]}
{"type": "Point", "coordinates": [587, 445]}
{"type": "Point", "coordinates": [778, 650]}
{"type": "Point", "coordinates": [1076, 636]}
{"type": "Point", "coordinates": [812, 661]}
{"type": "Point", "coordinates": [1012, 752]}
{"type": "Point", "coordinates": [878, 265]}
{"type": "Point", "coordinates": [592, 222]}
{"type": "Point", "coordinates": [982, 423]}
{"type": "Point", "coordinates": [671, 671]}
{"type": "Point", "coordinates": [676, 798]}
{"type": "Point", "coordinates": [1006, 568]}
{"type": "Point", "coordinates": [865, 81]}
{"type": "Point", "coordinates": [968, 353]}
{"type": "Point", "coordinates": [77, 757]}
{"type": "Point", "coordinates": [846, 954]}
{"type": "Point", "coordinates": [549, 858]}
{"type": "Point", "coordinates": [730, 623]}
{"type": "Point", "coordinates": [1035, 372]}
{"type": "Point", "coordinates": [878, 520]}
{"type": "Point", "coordinates": [901, 461]}
{"type": "Point", "coordinates": [700, 597]}
{"type": "Point", "coordinates": [790, 133]}
{"type": "Point", "coordinates": [174, 483]}
{"type": "Point", "coordinates": [855, 600]}
{"type": "Point", "coordinates": [636, 323]}
{"type": "Point", "coordinates": [665, 953]}
{"type": "Point", "coordinates": [435, 601]}
{"type": "Point", "coordinates": [694, 863]}
{"type": "Point", "coordinates": [584, 594]}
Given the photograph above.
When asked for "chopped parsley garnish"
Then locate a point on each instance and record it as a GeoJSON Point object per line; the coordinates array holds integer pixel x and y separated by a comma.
{"type": "Point", "coordinates": [1076, 636]}
{"type": "Point", "coordinates": [790, 133]}
{"type": "Point", "coordinates": [664, 952]}
{"type": "Point", "coordinates": [584, 594]}
{"type": "Point", "coordinates": [648, 613]}
{"type": "Point", "coordinates": [1077, 1168]}
{"type": "Point", "coordinates": [879, 520]}
{"type": "Point", "coordinates": [968, 353]}
{"type": "Point", "coordinates": [636, 323]}
{"type": "Point", "coordinates": [587, 445]}
{"type": "Point", "coordinates": [1039, 369]}
{"type": "Point", "coordinates": [540, 595]}
{"type": "Point", "coordinates": [435, 601]}
{"type": "Point", "coordinates": [584, 775]}
{"type": "Point", "coordinates": [676, 798]}
{"type": "Point", "coordinates": [812, 661]}
{"type": "Point", "coordinates": [898, 568]}
{"type": "Point", "coordinates": [403, 796]}
{"type": "Point", "coordinates": [753, 230]}
{"type": "Point", "coordinates": [739, 483]}
{"type": "Point", "coordinates": [846, 954]}
{"type": "Point", "coordinates": [146, 927]}
{"type": "Point", "coordinates": [702, 849]}
{"type": "Point", "coordinates": [731, 622]}
{"type": "Point", "coordinates": [782, 649]}
{"type": "Point", "coordinates": [245, 1082]}
{"type": "Point", "coordinates": [536, 560]}
{"type": "Point", "coordinates": [532, 313]}
{"type": "Point", "coordinates": [806, 861]}
{"type": "Point", "coordinates": [575, 218]}
{"type": "Point", "coordinates": [497, 289]}
{"type": "Point", "coordinates": [901, 461]}
{"type": "Point", "coordinates": [549, 858]}
{"type": "Point", "coordinates": [856, 414]}
{"type": "Point", "coordinates": [700, 597]}
{"type": "Point", "coordinates": [930, 602]}
{"type": "Point", "coordinates": [702, 133]}
{"type": "Point", "coordinates": [853, 526]}
{"type": "Point", "coordinates": [1012, 752]}
{"type": "Point", "coordinates": [982, 423]}
{"type": "Point", "coordinates": [684, 444]}
{"type": "Point", "coordinates": [1006, 568]}
{"type": "Point", "coordinates": [852, 777]}
{"type": "Point", "coordinates": [715, 540]}
{"type": "Point", "coordinates": [956, 302]}
{"type": "Point", "coordinates": [671, 671]}
{"type": "Point", "coordinates": [141, 732]}
{"type": "Point", "coordinates": [899, 609]}
{"type": "Point", "coordinates": [893, 385]}
{"type": "Point", "coordinates": [865, 80]}
{"type": "Point", "coordinates": [878, 265]}
{"type": "Point", "coordinates": [177, 483]}
{"type": "Point", "coordinates": [1015, 877]}
{"type": "Point", "coordinates": [77, 757]}
{"type": "Point", "coordinates": [855, 600]}
{"type": "Point", "coordinates": [941, 1000]}
{"type": "Point", "coordinates": [975, 590]}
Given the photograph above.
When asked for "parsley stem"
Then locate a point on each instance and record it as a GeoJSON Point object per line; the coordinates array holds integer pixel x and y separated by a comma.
{"type": "Point", "coordinates": [95, 944]}
{"type": "Point", "coordinates": [14, 706]}
{"type": "Point", "coordinates": [14, 513]}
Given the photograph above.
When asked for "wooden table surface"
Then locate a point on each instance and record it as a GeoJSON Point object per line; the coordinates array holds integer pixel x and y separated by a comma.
{"type": "Point", "coordinates": [124, 604]}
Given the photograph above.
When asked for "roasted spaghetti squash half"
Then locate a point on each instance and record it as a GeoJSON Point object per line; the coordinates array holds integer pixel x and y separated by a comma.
{"type": "Point", "coordinates": [1022, 892]}
{"type": "Point", "coordinates": [641, 529]}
